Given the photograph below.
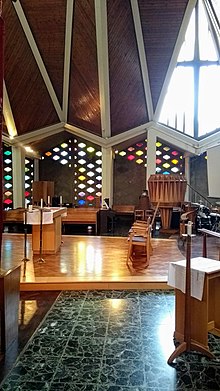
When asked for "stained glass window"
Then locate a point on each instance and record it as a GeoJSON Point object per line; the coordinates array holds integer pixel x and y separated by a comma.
{"type": "Point", "coordinates": [29, 177]}
{"type": "Point", "coordinates": [169, 160]}
{"type": "Point", "coordinates": [84, 160]}
{"type": "Point", "coordinates": [134, 153]}
{"type": "Point", "coordinates": [7, 177]}
{"type": "Point", "coordinates": [87, 173]}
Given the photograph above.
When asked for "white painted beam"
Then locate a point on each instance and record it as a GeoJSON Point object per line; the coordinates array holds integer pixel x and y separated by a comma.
{"type": "Point", "coordinates": [103, 65]}
{"type": "Point", "coordinates": [8, 115]}
{"type": "Point", "coordinates": [67, 56]}
{"type": "Point", "coordinates": [142, 56]}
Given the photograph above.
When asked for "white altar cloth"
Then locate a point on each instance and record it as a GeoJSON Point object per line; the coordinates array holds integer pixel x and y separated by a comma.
{"type": "Point", "coordinates": [199, 266]}
{"type": "Point", "coordinates": [33, 217]}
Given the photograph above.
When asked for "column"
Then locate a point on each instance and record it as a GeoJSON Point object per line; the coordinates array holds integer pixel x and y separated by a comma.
{"type": "Point", "coordinates": [187, 175]}
{"type": "Point", "coordinates": [107, 174]}
{"type": "Point", "coordinates": [151, 154]}
{"type": "Point", "coordinates": [36, 170]}
{"type": "Point", "coordinates": [18, 164]}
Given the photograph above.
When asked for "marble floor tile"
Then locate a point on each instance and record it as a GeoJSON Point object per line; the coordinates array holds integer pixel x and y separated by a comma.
{"type": "Point", "coordinates": [111, 341]}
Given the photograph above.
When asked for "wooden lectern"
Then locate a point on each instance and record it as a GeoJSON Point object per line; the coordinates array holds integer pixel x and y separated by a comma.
{"type": "Point", "coordinates": [194, 320]}
{"type": "Point", "coordinates": [51, 230]}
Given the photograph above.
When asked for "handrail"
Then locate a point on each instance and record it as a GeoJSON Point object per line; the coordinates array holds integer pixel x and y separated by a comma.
{"type": "Point", "coordinates": [197, 192]}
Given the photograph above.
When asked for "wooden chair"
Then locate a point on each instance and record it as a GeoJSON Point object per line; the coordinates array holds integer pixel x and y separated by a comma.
{"type": "Point", "coordinates": [139, 214]}
{"type": "Point", "coordinates": [139, 245]}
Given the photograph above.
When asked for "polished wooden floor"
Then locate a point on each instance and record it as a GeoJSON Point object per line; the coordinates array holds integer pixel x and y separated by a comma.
{"type": "Point", "coordinates": [95, 262]}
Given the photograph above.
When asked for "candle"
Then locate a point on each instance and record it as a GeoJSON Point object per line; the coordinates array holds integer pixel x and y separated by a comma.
{"type": "Point", "coordinates": [189, 228]}
{"type": "Point", "coordinates": [61, 200]}
{"type": "Point", "coordinates": [30, 208]}
{"type": "Point", "coordinates": [41, 203]}
{"type": "Point", "coordinates": [26, 203]}
{"type": "Point", "coordinates": [48, 200]}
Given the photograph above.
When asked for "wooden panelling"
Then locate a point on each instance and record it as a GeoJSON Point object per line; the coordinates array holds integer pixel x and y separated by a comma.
{"type": "Point", "coordinates": [29, 98]}
{"type": "Point", "coordinates": [84, 105]}
{"type": "Point", "coordinates": [47, 21]}
{"type": "Point", "coordinates": [128, 106]}
{"type": "Point", "coordinates": [30, 101]}
{"type": "Point", "coordinates": [161, 21]}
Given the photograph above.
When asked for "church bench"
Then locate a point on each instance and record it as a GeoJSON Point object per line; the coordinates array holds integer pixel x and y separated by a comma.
{"type": "Point", "coordinates": [124, 209]}
{"type": "Point", "coordinates": [81, 216]}
{"type": "Point", "coordinates": [13, 215]}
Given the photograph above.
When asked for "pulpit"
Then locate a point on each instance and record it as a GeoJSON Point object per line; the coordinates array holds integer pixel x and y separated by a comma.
{"type": "Point", "coordinates": [169, 191]}
{"type": "Point", "coordinates": [51, 229]}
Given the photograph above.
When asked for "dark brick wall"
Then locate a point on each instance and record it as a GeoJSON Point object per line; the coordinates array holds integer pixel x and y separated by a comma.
{"type": "Point", "coordinates": [62, 176]}
{"type": "Point", "coordinates": [198, 175]}
{"type": "Point", "coordinates": [129, 181]}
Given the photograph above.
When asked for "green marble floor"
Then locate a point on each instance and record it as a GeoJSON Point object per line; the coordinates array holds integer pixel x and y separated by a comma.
{"type": "Point", "coordinates": [110, 341]}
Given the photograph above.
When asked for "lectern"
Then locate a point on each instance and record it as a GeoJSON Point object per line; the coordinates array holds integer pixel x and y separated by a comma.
{"type": "Point", "coordinates": [51, 229]}
{"type": "Point", "coordinates": [204, 300]}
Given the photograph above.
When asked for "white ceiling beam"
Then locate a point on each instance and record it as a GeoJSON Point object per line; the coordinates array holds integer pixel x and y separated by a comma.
{"type": "Point", "coordinates": [67, 56]}
{"type": "Point", "coordinates": [208, 142]}
{"type": "Point", "coordinates": [38, 58]}
{"type": "Point", "coordinates": [39, 134]}
{"type": "Point", "coordinates": [180, 140]}
{"type": "Point", "coordinates": [128, 135]}
{"type": "Point", "coordinates": [103, 65]}
{"type": "Point", "coordinates": [86, 135]}
{"type": "Point", "coordinates": [142, 56]}
{"type": "Point", "coordinates": [8, 115]}
{"type": "Point", "coordinates": [173, 61]}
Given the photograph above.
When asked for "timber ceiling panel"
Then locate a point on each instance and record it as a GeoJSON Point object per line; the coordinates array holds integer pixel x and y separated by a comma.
{"type": "Point", "coordinates": [49, 142]}
{"type": "Point", "coordinates": [47, 21]}
{"type": "Point", "coordinates": [127, 99]}
{"type": "Point", "coordinates": [36, 101]}
{"type": "Point", "coordinates": [84, 104]}
{"type": "Point", "coordinates": [161, 21]}
{"type": "Point", "coordinates": [29, 99]}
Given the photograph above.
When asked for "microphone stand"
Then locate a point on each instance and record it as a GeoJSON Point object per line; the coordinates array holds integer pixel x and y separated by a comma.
{"type": "Point", "coordinates": [41, 259]}
{"type": "Point", "coordinates": [25, 259]}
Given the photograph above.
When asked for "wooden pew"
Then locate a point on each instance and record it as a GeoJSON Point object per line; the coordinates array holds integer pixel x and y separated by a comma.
{"type": "Point", "coordinates": [74, 216]}
{"type": "Point", "coordinates": [13, 215]}
{"type": "Point", "coordinates": [124, 209]}
{"type": "Point", "coordinates": [81, 216]}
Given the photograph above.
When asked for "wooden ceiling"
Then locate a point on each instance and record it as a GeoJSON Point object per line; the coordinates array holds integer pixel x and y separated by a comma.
{"type": "Point", "coordinates": [92, 68]}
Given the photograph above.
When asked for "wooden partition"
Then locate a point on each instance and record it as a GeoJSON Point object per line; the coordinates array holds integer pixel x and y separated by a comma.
{"type": "Point", "coordinates": [42, 189]}
{"type": "Point", "coordinates": [9, 306]}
